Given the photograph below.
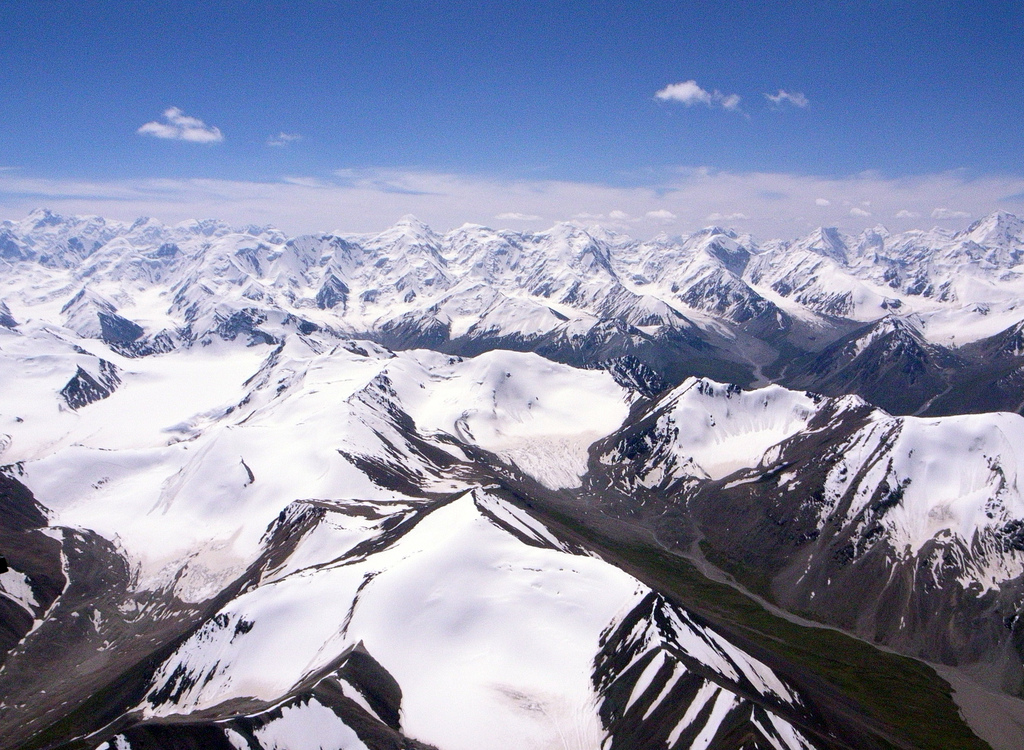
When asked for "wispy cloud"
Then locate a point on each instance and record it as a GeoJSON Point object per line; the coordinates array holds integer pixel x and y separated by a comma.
{"type": "Point", "coordinates": [515, 216]}
{"type": "Point", "coordinates": [776, 204]}
{"type": "Point", "coordinates": [946, 213]}
{"type": "Point", "coordinates": [178, 126]}
{"type": "Point", "coordinates": [822, 202]}
{"type": "Point", "coordinates": [727, 217]}
{"type": "Point", "coordinates": [311, 182]}
{"type": "Point", "coordinates": [728, 101]}
{"type": "Point", "coordinates": [689, 93]}
{"type": "Point", "coordinates": [662, 215]}
{"type": "Point", "coordinates": [859, 212]}
{"type": "Point", "coordinates": [788, 97]}
{"type": "Point", "coordinates": [283, 139]}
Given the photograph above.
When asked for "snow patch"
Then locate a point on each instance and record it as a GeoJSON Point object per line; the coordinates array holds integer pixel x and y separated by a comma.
{"type": "Point", "coordinates": [15, 586]}
{"type": "Point", "coordinates": [308, 726]}
{"type": "Point", "coordinates": [723, 429]}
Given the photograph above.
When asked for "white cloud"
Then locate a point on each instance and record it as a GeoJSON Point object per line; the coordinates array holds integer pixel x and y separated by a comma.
{"type": "Point", "coordinates": [661, 215]}
{"type": "Point", "coordinates": [584, 216]}
{"type": "Point", "coordinates": [905, 214]}
{"type": "Point", "coordinates": [726, 217]}
{"type": "Point", "coordinates": [371, 199]}
{"type": "Point", "coordinates": [513, 216]}
{"type": "Point", "coordinates": [180, 127]}
{"type": "Point", "coordinates": [859, 212]}
{"type": "Point", "coordinates": [730, 102]}
{"type": "Point", "coordinates": [788, 97]}
{"type": "Point", "coordinates": [945, 213]}
{"type": "Point", "coordinates": [822, 202]}
{"type": "Point", "coordinates": [689, 93]}
{"type": "Point", "coordinates": [312, 182]}
{"type": "Point", "coordinates": [283, 139]}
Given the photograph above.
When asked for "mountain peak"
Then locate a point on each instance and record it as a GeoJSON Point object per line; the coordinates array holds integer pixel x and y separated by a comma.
{"type": "Point", "coordinates": [409, 221]}
{"type": "Point", "coordinates": [575, 245]}
{"type": "Point", "coordinates": [892, 328]}
{"type": "Point", "coordinates": [40, 218]}
{"type": "Point", "coordinates": [827, 241]}
{"type": "Point", "coordinates": [411, 231]}
{"type": "Point", "coordinates": [713, 230]}
{"type": "Point", "coordinates": [87, 297]}
{"type": "Point", "coordinates": [998, 228]}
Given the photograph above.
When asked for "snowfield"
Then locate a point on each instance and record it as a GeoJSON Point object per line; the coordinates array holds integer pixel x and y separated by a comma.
{"type": "Point", "coordinates": [196, 453]}
{"type": "Point", "coordinates": [491, 639]}
{"type": "Point", "coordinates": [722, 429]}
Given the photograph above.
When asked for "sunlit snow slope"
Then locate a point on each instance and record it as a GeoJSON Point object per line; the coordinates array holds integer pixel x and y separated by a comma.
{"type": "Point", "coordinates": [300, 550]}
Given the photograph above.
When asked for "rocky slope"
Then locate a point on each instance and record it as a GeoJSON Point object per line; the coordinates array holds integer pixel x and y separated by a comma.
{"type": "Point", "coordinates": [905, 530]}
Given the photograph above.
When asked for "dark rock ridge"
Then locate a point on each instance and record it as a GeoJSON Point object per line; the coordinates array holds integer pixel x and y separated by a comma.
{"type": "Point", "coordinates": [6, 319]}
{"type": "Point", "coordinates": [85, 388]}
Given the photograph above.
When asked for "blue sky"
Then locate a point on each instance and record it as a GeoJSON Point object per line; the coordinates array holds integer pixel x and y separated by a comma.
{"type": "Point", "coordinates": [909, 108]}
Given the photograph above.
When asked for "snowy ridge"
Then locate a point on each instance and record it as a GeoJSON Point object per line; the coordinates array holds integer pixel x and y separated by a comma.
{"type": "Point", "coordinates": [905, 530]}
{"type": "Point", "coordinates": [273, 492]}
{"type": "Point", "coordinates": [712, 304]}
{"type": "Point", "coordinates": [953, 479]}
{"type": "Point", "coordinates": [706, 430]}
{"type": "Point", "coordinates": [658, 654]}
{"type": "Point", "coordinates": [904, 481]}
{"type": "Point", "coordinates": [191, 278]}
{"type": "Point", "coordinates": [386, 427]}
{"type": "Point", "coordinates": [455, 569]}
{"type": "Point", "coordinates": [310, 527]}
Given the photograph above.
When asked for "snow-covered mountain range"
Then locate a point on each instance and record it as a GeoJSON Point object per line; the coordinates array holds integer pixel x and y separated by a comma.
{"type": "Point", "coordinates": [410, 490]}
{"type": "Point", "coordinates": [897, 319]}
{"type": "Point", "coordinates": [320, 553]}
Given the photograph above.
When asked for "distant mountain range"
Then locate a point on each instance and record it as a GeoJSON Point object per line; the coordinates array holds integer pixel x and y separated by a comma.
{"type": "Point", "coordinates": [502, 490]}
{"type": "Point", "coordinates": [917, 323]}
